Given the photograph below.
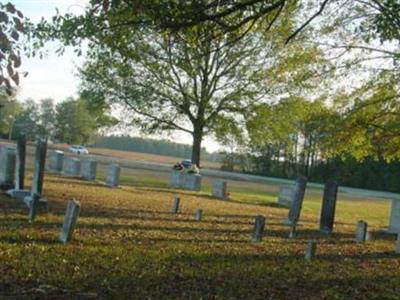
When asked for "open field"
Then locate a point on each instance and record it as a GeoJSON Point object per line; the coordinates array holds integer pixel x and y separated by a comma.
{"type": "Point", "coordinates": [128, 246]}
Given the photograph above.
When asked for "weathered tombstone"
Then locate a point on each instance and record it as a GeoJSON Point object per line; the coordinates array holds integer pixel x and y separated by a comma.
{"type": "Point", "coordinates": [397, 250]}
{"type": "Point", "coordinates": [328, 207]}
{"type": "Point", "coordinates": [113, 174]}
{"type": "Point", "coordinates": [177, 178]}
{"type": "Point", "coordinates": [286, 195]}
{"type": "Point", "coordinates": [56, 162]}
{"type": "Point", "coordinates": [199, 215]}
{"type": "Point", "coordinates": [394, 224]}
{"type": "Point", "coordinates": [298, 196]}
{"type": "Point", "coordinates": [38, 173]}
{"type": "Point", "coordinates": [72, 167]}
{"type": "Point", "coordinates": [34, 205]}
{"type": "Point", "coordinates": [89, 168]}
{"type": "Point", "coordinates": [258, 230]}
{"type": "Point", "coordinates": [175, 205]}
{"type": "Point", "coordinates": [7, 167]}
{"type": "Point", "coordinates": [311, 250]}
{"type": "Point", "coordinates": [292, 231]}
{"type": "Point", "coordinates": [71, 216]}
{"type": "Point", "coordinates": [219, 189]}
{"type": "Point", "coordinates": [361, 231]}
{"type": "Point", "coordinates": [192, 182]}
{"type": "Point", "coordinates": [20, 162]}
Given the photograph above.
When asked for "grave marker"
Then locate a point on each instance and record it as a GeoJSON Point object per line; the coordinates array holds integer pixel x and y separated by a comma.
{"type": "Point", "coordinates": [113, 174]}
{"type": "Point", "coordinates": [33, 207]}
{"type": "Point", "coordinates": [311, 250]}
{"type": "Point", "coordinates": [199, 215]}
{"type": "Point", "coordinates": [298, 196]}
{"type": "Point", "coordinates": [219, 189]}
{"type": "Point", "coordinates": [361, 231]}
{"type": "Point", "coordinates": [258, 230]}
{"type": "Point", "coordinates": [71, 216]}
{"type": "Point", "coordinates": [56, 162]}
{"type": "Point", "coordinates": [192, 182]}
{"type": "Point", "coordinates": [328, 207]}
{"type": "Point", "coordinates": [398, 244]}
{"type": "Point", "coordinates": [175, 205]}
{"type": "Point", "coordinates": [177, 178]}
{"type": "Point", "coordinates": [7, 167]}
{"type": "Point", "coordinates": [394, 224]}
{"type": "Point", "coordinates": [89, 168]}
{"type": "Point", "coordinates": [72, 167]}
{"type": "Point", "coordinates": [285, 196]}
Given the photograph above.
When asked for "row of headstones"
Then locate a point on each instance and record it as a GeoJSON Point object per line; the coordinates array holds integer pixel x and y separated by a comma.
{"type": "Point", "coordinates": [259, 227]}
{"type": "Point", "coordinates": [87, 169]}
{"type": "Point", "coordinates": [192, 182]}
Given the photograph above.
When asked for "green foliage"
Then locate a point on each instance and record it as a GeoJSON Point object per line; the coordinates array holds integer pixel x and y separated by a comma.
{"type": "Point", "coordinates": [9, 109]}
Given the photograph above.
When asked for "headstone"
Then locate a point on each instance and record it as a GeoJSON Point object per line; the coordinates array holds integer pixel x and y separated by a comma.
{"type": "Point", "coordinates": [34, 205]}
{"type": "Point", "coordinates": [38, 174]}
{"type": "Point", "coordinates": [71, 216]}
{"type": "Point", "coordinates": [177, 178]}
{"type": "Point", "coordinates": [72, 167]}
{"type": "Point", "coordinates": [298, 196]}
{"type": "Point", "coordinates": [311, 250]}
{"type": "Point", "coordinates": [175, 205]}
{"type": "Point", "coordinates": [397, 250]}
{"type": "Point", "coordinates": [258, 230]}
{"type": "Point", "coordinates": [89, 168]}
{"type": "Point", "coordinates": [199, 215]}
{"type": "Point", "coordinates": [394, 224]}
{"type": "Point", "coordinates": [20, 162]}
{"type": "Point", "coordinates": [56, 162]}
{"type": "Point", "coordinates": [113, 174]}
{"type": "Point", "coordinates": [219, 189]}
{"type": "Point", "coordinates": [192, 182]}
{"type": "Point", "coordinates": [328, 207]}
{"type": "Point", "coordinates": [286, 195]}
{"type": "Point", "coordinates": [361, 231]}
{"type": "Point", "coordinates": [7, 167]}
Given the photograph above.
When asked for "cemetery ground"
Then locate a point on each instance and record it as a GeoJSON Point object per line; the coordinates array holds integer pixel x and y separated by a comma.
{"type": "Point", "coordinates": [127, 244]}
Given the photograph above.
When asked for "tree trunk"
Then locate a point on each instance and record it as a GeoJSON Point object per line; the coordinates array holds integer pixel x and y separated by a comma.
{"type": "Point", "coordinates": [196, 146]}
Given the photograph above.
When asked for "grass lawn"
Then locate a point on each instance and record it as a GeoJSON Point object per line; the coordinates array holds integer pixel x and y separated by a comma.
{"type": "Point", "coordinates": [128, 246]}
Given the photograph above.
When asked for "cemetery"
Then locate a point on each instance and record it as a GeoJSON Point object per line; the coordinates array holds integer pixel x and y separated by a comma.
{"type": "Point", "coordinates": [149, 238]}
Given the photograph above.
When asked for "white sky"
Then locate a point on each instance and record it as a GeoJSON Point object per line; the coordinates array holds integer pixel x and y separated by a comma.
{"type": "Point", "coordinates": [54, 76]}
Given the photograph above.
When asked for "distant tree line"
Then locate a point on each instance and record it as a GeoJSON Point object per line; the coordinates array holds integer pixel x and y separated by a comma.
{"type": "Point", "coordinates": [152, 146]}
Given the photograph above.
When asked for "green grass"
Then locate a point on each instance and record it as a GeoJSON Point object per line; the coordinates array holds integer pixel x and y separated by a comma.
{"type": "Point", "coordinates": [128, 246]}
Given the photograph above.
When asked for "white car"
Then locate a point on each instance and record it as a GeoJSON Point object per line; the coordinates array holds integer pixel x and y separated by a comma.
{"type": "Point", "coordinates": [78, 149]}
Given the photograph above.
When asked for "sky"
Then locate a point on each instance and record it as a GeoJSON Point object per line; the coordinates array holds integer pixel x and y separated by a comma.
{"type": "Point", "coordinates": [55, 76]}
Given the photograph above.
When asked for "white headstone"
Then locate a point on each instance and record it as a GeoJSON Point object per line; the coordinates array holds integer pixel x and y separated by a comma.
{"type": "Point", "coordinates": [72, 167]}
{"type": "Point", "coordinates": [89, 168]}
{"type": "Point", "coordinates": [113, 174]}
{"type": "Point", "coordinates": [219, 189]}
{"type": "Point", "coordinates": [56, 161]}
{"type": "Point", "coordinates": [394, 225]}
{"type": "Point", "coordinates": [286, 195]}
{"type": "Point", "coordinates": [192, 182]}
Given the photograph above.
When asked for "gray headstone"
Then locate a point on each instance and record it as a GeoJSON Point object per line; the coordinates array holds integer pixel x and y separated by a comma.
{"type": "Point", "coordinates": [89, 168]}
{"type": "Point", "coordinates": [298, 196]}
{"type": "Point", "coordinates": [397, 250]}
{"type": "Point", "coordinates": [177, 178]}
{"type": "Point", "coordinates": [7, 167]}
{"type": "Point", "coordinates": [292, 231]}
{"type": "Point", "coordinates": [394, 224]}
{"type": "Point", "coordinates": [258, 230]}
{"type": "Point", "coordinates": [286, 195]}
{"type": "Point", "coordinates": [20, 162]}
{"type": "Point", "coordinates": [56, 162]}
{"type": "Point", "coordinates": [361, 231]}
{"type": "Point", "coordinates": [113, 174]}
{"type": "Point", "coordinates": [328, 207]}
{"type": "Point", "coordinates": [72, 167]}
{"type": "Point", "coordinates": [71, 216]}
{"type": "Point", "coordinates": [39, 166]}
{"type": "Point", "coordinates": [33, 207]}
{"type": "Point", "coordinates": [192, 182]}
{"type": "Point", "coordinates": [311, 250]}
{"type": "Point", "coordinates": [219, 189]}
{"type": "Point", "coordinates": [175, 205]}
{"type": "Point", "coordinates": [199, 215]}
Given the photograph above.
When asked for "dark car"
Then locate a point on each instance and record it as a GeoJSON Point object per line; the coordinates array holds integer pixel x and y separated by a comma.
{"type": "Point", "coordinates": [187, 163]}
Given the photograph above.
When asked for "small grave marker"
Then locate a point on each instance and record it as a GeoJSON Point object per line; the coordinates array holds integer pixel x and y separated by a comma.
{"type": "Point", "coordinates": [361, 231]}
{"type": "Point", "coordinates": [89, 168]}
{"type": "Point", "coordinates": [33, 207]}
{"type": "Point", "coordinates": [311, 250]}
{"type": "Point", "coordinates": [285, 196]}
{"type": "Point", "coordinates": [298, 196]}
{"type": "Point", "coordinates": [328, 207]}
{"type": "Point", "coordinates": [113, 174]}
{"type": "Point", "coordinates": [192, 182]}
{"type": "Point", "coordinates": [199, 215]}
{"type": "Point", "coordinates": [175, 205]}
{"type": "Point", "coordinates": [56, 161]}
{"type": "Point", "coordinates": [71, 216]}
{"type": "Point", "coordinates": [258, 231]}
{"type": "Point", "coordinates": [72, 167]}
{"type": "Point", "coordinates": [219, 189]}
